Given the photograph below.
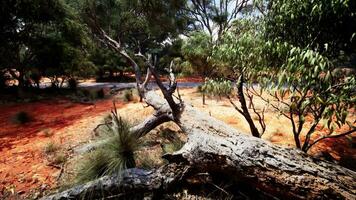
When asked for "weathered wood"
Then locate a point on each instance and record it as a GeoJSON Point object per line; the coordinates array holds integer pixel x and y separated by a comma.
{"type": "Point", "coordinates": [131, 184]}
{"type": "Point", "coordinates": [282, 172]}
{"type": "Point", "coordinates": [221, 151]}
{"type": "Point", "coordinates": [215, 148]}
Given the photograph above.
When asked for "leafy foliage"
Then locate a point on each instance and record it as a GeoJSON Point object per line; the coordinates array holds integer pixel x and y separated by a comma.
{"type": "Point", "coordinates": [218, 87]}
{"type": "Point", "coordinates": [313, 24]}
{"type": "Point", "coordinates": [308, 87]}
{"type": "Point", "coordinates": [43, 38]}
{"type": "Point", "coordinates": [197, 50]}
{"type": "Point", "coordinates": [243, 51]}
{"type": "Point", "coordinates": [215, 16]}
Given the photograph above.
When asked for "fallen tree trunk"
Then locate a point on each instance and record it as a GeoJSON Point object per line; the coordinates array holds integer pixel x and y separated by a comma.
{"type": "Point", "coordinates": [218, 150]}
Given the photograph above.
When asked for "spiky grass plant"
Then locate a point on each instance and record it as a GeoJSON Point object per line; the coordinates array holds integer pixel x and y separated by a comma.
{"type": "Point", "coordinates": [117, 154]}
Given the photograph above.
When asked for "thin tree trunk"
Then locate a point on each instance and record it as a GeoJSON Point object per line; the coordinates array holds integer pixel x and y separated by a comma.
{"type": "Point", "coordinates": [246, 113]}
{"type": "Point", "coordinates": [204, 98]}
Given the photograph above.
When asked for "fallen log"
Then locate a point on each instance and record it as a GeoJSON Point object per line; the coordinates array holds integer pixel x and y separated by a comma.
{"type": "Point", "coordinates": [220, 152]}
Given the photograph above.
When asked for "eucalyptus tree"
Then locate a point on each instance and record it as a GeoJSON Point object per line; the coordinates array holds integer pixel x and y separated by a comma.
{"type": "Point", "coordinates": [307, 93]}
{"type": "Point", "coordinates": [309, 37]}
{"type": "Point", "coordinates": [319, 25]}
{"type": "Point", "coordinates": [215, 16]}
{"type": "Point", "coordinates": [211, 20]}
{"type": "Point", "coordinates": [242, 57]}
{"type": "Point", "coordinates": [197, 51]}
{"type": "Point", "coordinates": [41, 38]}
{"type": "Point", "coordinates": [145, 27]}
{"type": "Point", "coordinates": [20, 20]}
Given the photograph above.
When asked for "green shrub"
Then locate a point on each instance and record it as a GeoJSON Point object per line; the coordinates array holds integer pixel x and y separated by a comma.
{"type": "Point", "coordinates": [100, 94]}
{"type": "Point", "coordinates": [217, 87]}
{"type": "Point", "coordinates": [59, 159]}
{"type": "Point", "coordinates": [84, 93]}
{"type": "Point", "coordinates": [128, 96]}
{"type": "Point", "coordinates": [50, 147]}
{"type": "Point", "coordinates": [117, 154]}
{"type": "Point", "coordinates": [21, 117]}
{"type": "Point", "coordinates": [72, 83]}
{"type": "Point", "coordinates": [90, 95]}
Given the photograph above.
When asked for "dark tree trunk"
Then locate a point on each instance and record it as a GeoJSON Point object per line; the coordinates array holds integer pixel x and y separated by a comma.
{"type": "Point", "coordinates": [204, 98]}
{"type": "Point", "coordinates": [246, 113]}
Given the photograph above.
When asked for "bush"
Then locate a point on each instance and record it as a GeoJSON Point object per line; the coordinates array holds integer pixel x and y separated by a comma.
{"type": "Point", "coordinates": [21, 117]}
{"type": "Point", "coordinates": [100, 93]}
{"type": "Point", "coordinates": [117, 154]}
{"type": "Point", "coordinates": [89, 95]}
{"type": "Point", "coordinates": [72, 84]}
{"type": "Point", "coordinates": [59, 159]}
{"type": "Point", "coordinates": [128, 96]}
{"type": "Point", "coordinates": [94, 165]}
{"type": "Point", "coordinates": [51, 147]}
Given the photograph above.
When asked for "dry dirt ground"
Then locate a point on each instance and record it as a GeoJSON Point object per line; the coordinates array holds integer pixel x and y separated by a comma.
{"type": "Point", "coordinates": [26, 171]}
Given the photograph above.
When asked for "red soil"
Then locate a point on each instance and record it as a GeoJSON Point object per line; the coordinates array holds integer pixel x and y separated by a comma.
{"type": "Point", "coordinates": [194, 79]}
{"type": "Point", "coordinates": [23, 166]}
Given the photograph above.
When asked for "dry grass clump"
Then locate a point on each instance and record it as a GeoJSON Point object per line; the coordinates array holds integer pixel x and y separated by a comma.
{"type": "Point", "coordinates": [50, 147]}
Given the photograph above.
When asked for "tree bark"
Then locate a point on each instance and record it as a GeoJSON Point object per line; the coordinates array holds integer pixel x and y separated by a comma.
{"type": "Point", "coordinates": [245, 112]}
{"type": "Point", "coordinates": [221, 151]}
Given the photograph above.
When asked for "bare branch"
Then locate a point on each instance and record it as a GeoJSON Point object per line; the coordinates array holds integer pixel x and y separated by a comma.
{"type": "Point", "coordinates": [330, 136]}
{"type": "Point", "coordinates": [235, 106]}
{"type": "Point", "coordinates": [261, 116]}
{"type": "Point", "coordinates": [147, 79]}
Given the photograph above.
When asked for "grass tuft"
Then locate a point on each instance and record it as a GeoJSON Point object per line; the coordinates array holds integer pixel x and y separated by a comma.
{"type": "Point", "coordinates": [50, 148]}
{"type": "Point", "coordinates": [59, 158]}
{"type": "Point", "coordinates": [117, 154]}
